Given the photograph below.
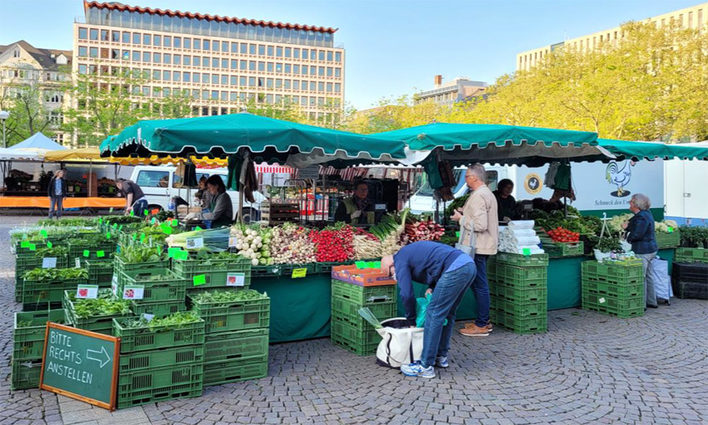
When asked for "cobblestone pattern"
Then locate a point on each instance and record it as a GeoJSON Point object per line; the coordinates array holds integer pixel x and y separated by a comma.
{"type": "Point", "coordinates": [587, 369]}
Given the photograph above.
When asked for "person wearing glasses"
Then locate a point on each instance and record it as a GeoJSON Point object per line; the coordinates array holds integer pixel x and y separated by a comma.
{"type": "Point", "coordinates": [479, 215]}
{"type": "Point", "coordinates": [448, 272]}
{"type": "Point", "coordinates": [357, 209]}
{"type": "Point", "coordinates": [640, 233]}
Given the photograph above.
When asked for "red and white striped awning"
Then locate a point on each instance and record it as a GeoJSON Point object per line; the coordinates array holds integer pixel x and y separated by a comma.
{"type": "Point", "coordinates": [278, 169]}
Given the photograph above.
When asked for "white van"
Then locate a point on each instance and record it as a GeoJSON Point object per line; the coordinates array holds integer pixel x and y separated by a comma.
{"type": "Point", "coordinates": [160, 184]}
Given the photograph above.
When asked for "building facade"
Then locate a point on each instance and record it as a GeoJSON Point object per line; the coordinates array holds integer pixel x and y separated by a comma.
{"type": "Point", "coordinates": [691, 17]}
{"type": "Point", "coordinates": [26, 70]}
{"type": "Point", "coordinates": [222, 63]}
{"type": "Point", "coordinates": [457, 90]}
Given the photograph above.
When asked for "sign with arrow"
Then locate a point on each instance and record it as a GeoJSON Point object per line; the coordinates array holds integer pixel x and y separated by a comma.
{"type": "Point", "coordinates": [80, 364]}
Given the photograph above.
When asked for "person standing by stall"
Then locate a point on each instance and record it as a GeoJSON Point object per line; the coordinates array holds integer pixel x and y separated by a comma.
{"type": "Point", "coordinates": [450, 272]}
{"type": "Point", "coordinates": [479, 215]}
{"type": "Point", "coordinates": [135, 200]}
{"type": "Point", "coordinates": [357, 209]}
{"type": "Point", "coordinates": [57, 192]}
{"type": "Point", "coordinates": [220, 206]}
{"type": "Point", "coordinates": [640, 233]}
{"type": "Point", "coordinates": [506, 204]}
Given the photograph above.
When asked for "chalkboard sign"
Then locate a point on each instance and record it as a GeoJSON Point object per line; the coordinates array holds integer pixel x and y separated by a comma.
{"type": "Point", "coordinates": [80, 364]}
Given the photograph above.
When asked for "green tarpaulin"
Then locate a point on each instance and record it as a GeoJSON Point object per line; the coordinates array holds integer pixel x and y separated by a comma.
{"type": "Point", "coordinates": [270, 139]}
{"type": "Point", "coordinates": [652, 150]}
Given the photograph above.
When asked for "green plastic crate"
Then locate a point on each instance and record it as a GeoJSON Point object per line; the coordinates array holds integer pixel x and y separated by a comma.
{"type": "Point", "coordinates": [618, 312]}
{"type": "Point", "coordinates": [30, 328]}
{"type": "Point", "coordinates": [564, 249]}
{"type": "Point", "coordinates": [613, 272]}
{"type": "Point", "coordinates": [361, 340]}
{"type": "Point", "coordinates": [691, 255]}
{"type": "Point", "coordinates": [522, 310]}
{"type": "Point", "coordinates": [131, 383]}
{"type": "Point", "coordinates": [355, 347]}
{"type": "Point", "coordinates": [216, 373]}
{"type": "Point", "coordinates": [157, 308]}
{"type": "Point", "coordinates": [668, 240]}
{"type": "Point", "coordinates": [143, 338]}
{"type": "Point", "coordinates": [25, 374]}
{"type": "Point", "coordinates": [273, 270]}
{"type": "Point", "coordinates": [524, 283]}
{"type": "Point", "coordinates": [131, 269]}
{"type": "Point", "coordinates": [287, 269]}
{"type": "Point", "coordinates": [522, 260]}
{"type": "Point", "coordinates": [76, 250]}
{"type": "Point", "coordinates": [100, 271]}
{"type": "Point", "coordinates": [326, 267]}
{"type": "Point", "coordinates": [36, 295]}
{"type": "Point", "coordinates": [363, 295]}
{"type": "Point", "coordinates": [130, 398]}
{"type": "Point", "coordinates": [520, 325]}
{"type": "Point", "coordinates": [622, 290]}
{"type": "Point", "coordinates": [215, 273]}
{"type": "Point", "coordinates": [522, 294]}
{"type": "Point", "coordinates": [349, 309]}
{"type": "Point", "coordinates": [168, 356]}
{"type": "Point", "coordinates": [508, 273]}
{"type": "Point", "coordinates": [233, 316]}
{"type": "Point", "coordinates": [101, 324]}
{"type": "Point", "coordinates": [158, 284]}
{"type": "Point", "coordinates": [237, 345]}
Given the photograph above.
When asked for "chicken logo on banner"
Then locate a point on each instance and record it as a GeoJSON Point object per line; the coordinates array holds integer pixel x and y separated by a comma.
{"type": "Point", "coordinates": [619, 174]}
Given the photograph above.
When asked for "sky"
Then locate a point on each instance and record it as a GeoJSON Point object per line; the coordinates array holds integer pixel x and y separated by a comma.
{"type": "Point", "coordinates": [393, 47]}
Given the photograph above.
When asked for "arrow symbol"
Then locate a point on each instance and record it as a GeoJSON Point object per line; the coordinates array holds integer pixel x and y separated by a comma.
{"type": "Point", "coordinates": [97, 356]}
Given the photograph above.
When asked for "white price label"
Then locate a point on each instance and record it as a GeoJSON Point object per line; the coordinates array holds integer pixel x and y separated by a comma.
{"type": "Point", "coordinates": [601, 300]}
{"type": "Point", "coordinates": [133, 292]}
{"type": "Point", "coordinates": [49, 262]}
{"type": "Point", "coordinates": [114, 285]}
{"type": "Point", "coordinates": [195, 243]}
{"type": "Point", "coordinates": [233, 241]}
{"type": "Point", "coordinates": [235, 279]}
{"type": "Point", "coordinates": [147, 316]}
{"type": "Point", "coordinates": [77, 262]}
{"type": "Point", "coordinates": [87, 291]}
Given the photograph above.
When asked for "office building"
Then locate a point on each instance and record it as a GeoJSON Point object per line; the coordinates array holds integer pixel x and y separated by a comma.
{"type": "Point", "coordinates": [691, 17]}
{"type": "Point", "coordinates": [222, 63]}
{"type": "Point", "coordinates": [457, 90]}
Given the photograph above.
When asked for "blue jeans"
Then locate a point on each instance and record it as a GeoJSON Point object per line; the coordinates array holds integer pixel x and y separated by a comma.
{"type": "Point", "coordinates": [139, 208]}
{"type": "Point", "coordinates": [480, 287]}
{"type": "Point", "coordinates": [448, 293]}
{"type": "Point", "coordinates": [57, 201]}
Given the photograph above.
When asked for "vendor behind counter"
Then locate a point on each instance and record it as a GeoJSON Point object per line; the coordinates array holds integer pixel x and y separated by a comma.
{"type": "Point", "coordinates": [357, 209]}
{"type": "Point", "coordinates": [506, 204]}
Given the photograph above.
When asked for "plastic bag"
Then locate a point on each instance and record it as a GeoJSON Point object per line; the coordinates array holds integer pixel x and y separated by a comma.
{"type": "Point", "coordinates": [420, 309]}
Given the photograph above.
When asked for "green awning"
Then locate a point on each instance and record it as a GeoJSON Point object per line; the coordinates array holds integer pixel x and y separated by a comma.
{"type": "Point", "coordinates": [462, 144]}
{"type": "Point", "coordinates": [269, 139]}
{"type": "Point", "coordinates": [653, 150]}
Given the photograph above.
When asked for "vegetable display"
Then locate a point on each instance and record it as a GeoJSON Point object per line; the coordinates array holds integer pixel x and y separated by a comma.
{"type": "Point", "coordinates": [104, 305]}
{"type": "Point", "coordinates": [139, 254]}
{"type": "Point", "coordinates": [173, 321]}
{"type": "Point", "coordinates": [694, 237]}
{"type": "Point", "coordinates": [365, 245]}
{"type": "Point", "coordinates": [609, 245]}
{"type": "Point", "coordinates": [40, 274]}
{"type": "Point", "coordinates": [560, 234]}
{"type": "Point", "coordinates": [55, 251]}
{"type": "Point", "coordinates": [290, 245]}
{"type": "Point", "coordinates": [253, 243]}
{"type": "Point", "coordinates": [212, 239]}
{"type": "Point", "coordinates": [333, 244]}
{"type": "Point", "coordinates": [426, 230]}
{"type": "Point", "coordinates": [226, 296]}
{"type": "Point", "coordinates": [574, 222]}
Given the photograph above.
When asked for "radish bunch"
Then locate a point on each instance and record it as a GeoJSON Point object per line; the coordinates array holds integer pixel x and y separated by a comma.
{"type": "Point", "coordinates": [290, 244]}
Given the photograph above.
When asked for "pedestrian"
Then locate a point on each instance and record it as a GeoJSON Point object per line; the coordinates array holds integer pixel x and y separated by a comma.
{"type": "Point", "coordinates": [57, 192]}
{"type": "Point", "coordinates": [448, 272]}
{"type": "Point", "coordinates": [135, 200]}
{"type": "Point", "coordinates": [640, 233]}
{"type": "Point", "coordinates": [479, 215]}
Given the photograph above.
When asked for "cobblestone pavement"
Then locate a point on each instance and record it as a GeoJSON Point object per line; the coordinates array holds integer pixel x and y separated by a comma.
{"type": "Point", "coordinates": [587, 369]}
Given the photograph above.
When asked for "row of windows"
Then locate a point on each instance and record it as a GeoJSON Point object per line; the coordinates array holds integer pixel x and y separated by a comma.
{"type": "Point", "coordinates": [221, 79]}
{"type": "Point", "coordinates": [199, 61]}
{"type": "Point", "coordinates": [208, 45]}
{"type": "Point", "coordinates": [178, 24]}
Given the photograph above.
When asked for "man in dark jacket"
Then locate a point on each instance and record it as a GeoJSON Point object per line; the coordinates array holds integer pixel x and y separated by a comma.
{"type": "Point", "coordinates": [640, 233]}
{"type": "Point", "coordinates": [57, 192]}
{"type": "Point", "coordinates": [450, 272]}
{"type": "Point", "coordinates": [135, 199]}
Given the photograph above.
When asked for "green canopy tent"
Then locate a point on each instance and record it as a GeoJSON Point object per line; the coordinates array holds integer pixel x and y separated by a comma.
{"type": "Point", "coordinates": [269, 140]}
{"type": "Point", "coordinates": [624, 149]}
{"type": "Point", "coordinates": [462, 144]}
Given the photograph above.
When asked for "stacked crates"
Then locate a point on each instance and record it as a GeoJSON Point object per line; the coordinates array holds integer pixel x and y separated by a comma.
{"type": "Point", "coordinates": [163, 291]}
{"type": "Point", "coordinates": [46, 293]}
{"type": "Point", "coordinates": [613, 288]}
{"type": "Point", "coordinates": [100, 271]}
{"type": "Point", "coordinates": [518, 292]}
{"type": "Point", "coordinates": [95, 323]}
{"type": "Point", "coordinates": [691, 255]}
{"type": "Point", "coordinates": [158, 362]}
{"type": "Point", "coordinates": [26, 260]}
{"type": "Point", "coordinates": [352, 291]}
{"type": "Point", "coordinates": [212, 273]}
{"type": "Point", "coordinates": [236, 342]}
{"type": "Point", "coordinates": [82, 249]}
{"type": "Point", "coordinates": [28, 336]}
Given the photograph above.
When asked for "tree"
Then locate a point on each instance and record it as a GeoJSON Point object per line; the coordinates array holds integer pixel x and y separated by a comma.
{"type": "Point", "coordinates": [393, 114]}
{"type": "Point", "coordinates": [102, 105]}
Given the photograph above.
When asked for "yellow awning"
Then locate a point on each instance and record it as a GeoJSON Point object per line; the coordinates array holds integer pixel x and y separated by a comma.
{"type": "Point", "coordinates": [74, 155]}
{"type": "Point", "coordinates": [202, 161]}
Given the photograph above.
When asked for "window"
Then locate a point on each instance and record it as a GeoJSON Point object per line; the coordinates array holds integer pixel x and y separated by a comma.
{"type": "Point", "coordinates": [197, 61]}
{"type": "Point", "coordinates": [205, 46]}
{"type": "Point", "coordinates": [136, 56]}
{"type": "Point", "coordinates": [313, 70]}
{"type": "Point", "coordinates": [93, 34]}
{"type": "Point", "coordinates": [197, 44]}
{"type": "Point", "coordinates": [167, 58]}
{"type": "Point", "coordinates": [278, 83]}
{"type": "Point", "coordinates": [214, 46]}
{"type": "Point", "coordinates": [338, 56]}
{"type": "Point", "coordinates": [234, 47]}
{"type": "Point", "coordinates": [146, 57]}
{"type": "Point", "coordinates": [156, 58]}
{"type": "Point", "coordinates": [167, 41]}
{"type": "Point", "coordinates": [147, 39]}
{"type": "Point", "coordinates": [178, 42]}
{"type": "Point", "coordinates": [224, 80]}
{"type": "Point", "coordinates": [329, 56]}
{"type": "Point", "coordinates": [243, 49]}
{"type": "Point", "coordinates": [296, 69]}
{"type": "Point", "coordinates": [320, 87]}
{"type": "Point", "coordinates": [93, 52]}
{"type": "Point", "coordinates": [286, 84]}
{"type": "Point", "coordinates": [214, 62]}
{"type": "Point", "coordinates": [321, 71]}
{"type": "Point", "coordinates": [261, 50]}
{"type": "Point", "coordinates": [305, 53]}
{"type": "Point", "coordinates": [251, 81]}
{"type": "Point", "coordinates": [313, 54]}
{"type": "Point", "coordinates": [242, 81]}
{"type": "Point", "coordinates": [224, 64]}
{"type": "Point", "coordinates": [261, 66]}
{"type": "Point", "coordinates": [251, 65]}
{"type": "Point", "coordinates": [153, 178]}
{"type": "Point", "coordinates": [104, 35]}
{"type": "Point", "coordinates": [167, 76]}
{"type": "Point", "coordinates": [270, 66]}
{"type": "Point", "coordinates": [288, 68]}
{"type": "Point", "coordinates": [270, 50]}
{"type": "Point", "coordinates": [136, 38]}
{"type": "Point", "coordinates": [234, 64]}
{"type": "Point", "coordinates": [313, 86]}
{"type": "Point", "coordinates": [186, 77]}
{"type": "Point", "coordinates": [115, 36]}
{"type": "Point", "coordinates": [196, 77]}
{"type": "Point", "coordinates": [187, 43]}
{"type": "Point", "coordinates": [176, 76]}
{"type": "Point", "coordinates": [224, 95]}
{"type": "Point", "coordinates": [215, 78]}
{"type": "Point", "coordinates": [288, 52]}
{"type": "Point", "coordinates": [157, 40]}
{"type": "Point", "coordinates": [296, 53]}
{"type": "Point", "coordinates": [115, 53]}
{"type": "Point", "coordinates": [156, 75]}
{"type": "Point", "coordinates": [233, 80]}
{"type": "Point", "coordinates": [337, 87]}
{"type": "Point", "coordinates": [82, 69]}
{"type": "Point", "coordinates": [269, 83]}
{"type": "Point", "coordinates": [215, 95]}
{"type": "Point", "coordinates": [125, 37]}
{"type": "Point", "coordinates": [233, 96]}
{"type": "Point", "coordinates": [83, 33]}
{"type": "Point", "coordinates": [329, 87]}
{"type": "Point", "coordinates": [243, 65]}
{"type": "Point", "coordinates": [104, 53]}
{"type": "Point", "coordinates": [83, 51]}
{"type": "Point", "coordinates": [322, 55]}
{"type": "Point", "coordinates": [329, 71]}
{"type": "Point", "coordinates": [296, 84]}
{"type": "Point", "coordinates": [251, 49]}
{"type": "Point", "coordinates": [177, 60]}
{"type": "Point", "coordinates": [279, 52]}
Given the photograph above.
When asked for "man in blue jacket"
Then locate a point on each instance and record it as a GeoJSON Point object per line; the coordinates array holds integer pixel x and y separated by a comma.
{"type": "Point", "coordinates": [450, 272]}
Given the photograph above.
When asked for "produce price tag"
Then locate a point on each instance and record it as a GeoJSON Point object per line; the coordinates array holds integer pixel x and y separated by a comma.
{"type": "Point", "coordinates": [152, 220]}
{"type": "Point", "coordinates": [43, 232]}
{"type": "Point", "coordinates": [135, 236]}
{"type": "Point", "coordinates": [87, 291]}
{"type": "Point", "coordinates": [670, 229]}
{"type": "Point", "coordinates": [100, 221]}
{"type": "Point", "coordinates": [526, 251]}
{"type": "Point", "coordinates": [120, 227]}
{"type": "Point", "coordinates": [32, 247]}
{"type": "Point", "coordinates": [235, 279]}
{"type": "Point", "coordinates": [108, 235]}
{"type": "Point", "coordinates": [100, 254]}
{"type": "Point", "coordinates": [374, 264]}
{"type": "Point", "coordinates": [133, 292]}
{"type": "Point", "coordinates": [145, 212]}
{"type": "Point", "coordinates": [166, 229]}
{"type": "Point", "coordinates": [181, 255]}
{"type": "Point", "coordinates": [174, 222]}
{"type": "Point", "coordinates": [114, 285]}
{"type": "Point", "coordinates": [233, 241]}
{"type": "Point", "coordinates": [24, 244]}
{"type": "Point", "coordinates": [131, 213]}
{"type": "Point", "coordinates": [297, 273]}
{"type": "Point", "coordinates": [49, 244]}
{"type": "Point", "coordinates": [87, 253]}
{"type": "Point", "coordinates": [199, 279]}
{"type": "Point", "coordinates": [115, 225]}
{"type": "Point", "coordinates": [142, 237]}
{"type": "Point", "coordinates": [171, 251]}
{"type": "Point", "coordinates": [457, 234]}
{"type": "Point", "coordinates": [195, 243]}
{"type": "Point", "coordinates": [77, 262]}
{"type": "Point", "coordinates": [147, 316]}
{"type": "Point", "coordinates": [360, 264]}
{"type": "Point", "coordinates": [49, 262]}
{"type": "Point", "coordinates": [601, 300]}
{"type": "Point", "coordinates": [197, 228]}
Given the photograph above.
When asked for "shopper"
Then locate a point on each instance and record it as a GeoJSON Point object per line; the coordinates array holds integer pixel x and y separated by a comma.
{"type": "Point", "coordinates": [57, 192]}
{"type": "Point", "coordinates": [479, 215]}
{"type": "Point", "coordinates": [506, 204]}
{"type": "Point", "coordinates": [220, 208]}
{"type": "Point", "coordinates": [449, 272]}
{"type": "Point", "coordinates": [640, 233]}
{"type": "Point", "coordinates": [357, 209]}
{"type": "Point", "coordinates": [135, 200]}
{"type": "Point", "coordinates": [203, 197]}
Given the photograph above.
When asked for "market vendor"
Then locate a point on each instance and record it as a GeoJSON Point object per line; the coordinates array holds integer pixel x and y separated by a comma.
{"type": "Point", "coordinates": [135, 200]}
{"type": "Point", "coordinates": [357, 209]}
{"type": "Point", "coordinates": [220, 207]}
{"type": "Point", "coordinates": [506, 204]}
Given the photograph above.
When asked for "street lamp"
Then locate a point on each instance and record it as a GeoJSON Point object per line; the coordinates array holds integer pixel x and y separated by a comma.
{"type": "Point", "coordinates": [4, 115]}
